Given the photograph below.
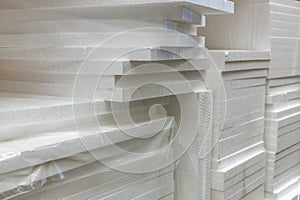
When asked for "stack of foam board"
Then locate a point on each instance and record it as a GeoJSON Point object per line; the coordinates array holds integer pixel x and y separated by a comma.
{"type": "Point", "coordinates": [63, 62]}
{"type": "Point", "coordinates": [36, 148]}
{"type": "Point", "coordinates": [283, 103]}
{"type": "Point", "coordinates": [238, 123]}
{"type": "Point", "coordinates": [271, 25]}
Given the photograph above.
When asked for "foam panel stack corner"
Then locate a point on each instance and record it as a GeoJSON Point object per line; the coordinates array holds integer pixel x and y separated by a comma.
{"type": "Point", "coordinates": [238, 166]}
{"type": "Point", "coordinates": [91, 62]}
{"type": "Point", "coordinates": [270, 25]}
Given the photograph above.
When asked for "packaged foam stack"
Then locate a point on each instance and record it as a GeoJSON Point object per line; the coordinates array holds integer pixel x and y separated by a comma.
{"type": "Point", "coordinates": [80, 86]}
{"type": "Point", "coordinates": [271, 25]}
{"type": "Point", "coordinates": [238, 165]}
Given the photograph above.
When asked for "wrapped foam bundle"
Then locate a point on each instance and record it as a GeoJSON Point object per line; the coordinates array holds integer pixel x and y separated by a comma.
{"type": "Point", "coordinates": [80, 82]}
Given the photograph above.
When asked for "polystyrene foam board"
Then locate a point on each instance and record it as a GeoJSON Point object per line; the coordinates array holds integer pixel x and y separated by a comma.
{"type": "Point", "coordinates": [281, 171]}
{"type": "Point", "coordinates": [240, 106]}
{"type": "Point", "coordinates": [239, 156]}
{"type": "Point", "coordinates": [106, 39]}
{"type": "Point", "coordinates": [284, 12]}
{"type": "Point", "coordinates": [150, 91]}
{"type": "Point", "coordinates": [253, 171]}
{"type": "Point", "coordinates": [59, 171]}
{"type": "Point", "coordinates": [241, 75]}
{"type": "Point", "coordinates": [277, 143]}
{"type": "Point", "coordinates": [244, 182]}
{"type": "Point", "coordinates": [90, 176]}
{"type": "Point", "coordinates": [258, 193]}
{"type": "Point", "coordinates": [283, 72]}
{"type": "Point", "coordinates": [169, 197]}
{"type": "Point", "coordinates": [46, 147]}
{"type": "Point", "coordinates": [127, 81]}
{"type": "Point", "coordinates": [104, 53]}
{"type": "Point", "coordinates": [243, 92]}
{"type": "Point", "coordinates": [202, 6]}
{"type": "Point", "coordinates": [162, 192]}
{"type": "Point", "coordinates": [285, 44]}
{"type": "Point", "coordinates": [284, 33]}
{"type": "Point", "coordinates": [240, 190]}
{"type": "Point", "coordinates": [183, 27]}
{"type": "Point", "coordinates": [280, 89]}
{"type": "Point", "coordinates": [222, 175]}
{"type": "Point", "coordinates": [231, 122]}
{"type": "Point", "coordinates": [117, 94]}
{"type": "Point", "coordinates": [288, 191]}
{"type": "Point", "coordinates": [246, 65]}
{"type": "Point", "coordinates": [286, 163]}
{"type": "Point", "coordinates": [108, 67]}
{"type": "Point", "coordinates": [77, 26]}
{"type": "Point", "coordinates": [233, 144]}
{"type": "Point", "coordinates": [16, 107]}
{"type": "Point", "coordinates": [283, 96]}
{"type": "Point", "coordinates": [281, 122]}
{"type": "Point", "coordinates": [286, 179]}
{"type": "Point", "coordinates": [240, 60]}
{"type": "Point", "coordinates": [244, 127]}
{"type": "Point", "coordinates": [142, 13]}
{"type": "Point", "coordinates": [283, 109]}
{"type": "Point", "coordinates": [283, 81]}
{"type": "Point", "coordinates": [238, 84]}
{"type": "Point", "coordinates": [156, 179]}
{"type": "Point", "coordinates": [240, 55]}
{"type": "Point", "coordinates": [132, 192]}
{"type": "Point", "coordinates": [287, 3]}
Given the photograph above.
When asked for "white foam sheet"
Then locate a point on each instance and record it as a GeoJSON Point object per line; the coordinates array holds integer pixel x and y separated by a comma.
{"type": "Point", "coordinates": [231, 175]}
{"type": "Point", "coordinates": [41, 69]}
{"type": "Point", "coordinates": [118, 94]}
{"type": "Point", "coordinates": [107, 81]}
{"type": "Point", "coordinates": [134, 87]}
{"type": "Point", "coordinates": [223, 58]}
{"type": "Point", "coordinates": [240, 191]}
{"type": "Point", "coordinates": [15, 107]}
{"type": "Point", "coordinates": [43, 148]}
{"type": "Point", "coordinates": [155, 38]}
{"type": "Point", "coordinates": [103, 53]}
{"type": "Point", "coordinates": [88, 25]}
{"type": "Point", "coordinates": [143, 13]}
{"type": "Point", "coordinates": [282, 168]}
{"type": "Point", "coordinates": [34, 178]}
{"type": "Point", "coordinates": [47, 113]}
{"type": "Point", "coordinates": [236, 143]}
{"type": "Point", "coordinates": [213, 7]}
{"type": "Point", "coordinates": [96, 179]}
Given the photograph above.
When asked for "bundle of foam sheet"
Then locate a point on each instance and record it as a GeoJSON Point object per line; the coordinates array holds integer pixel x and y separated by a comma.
{"type": "Point", "coordinates": [270, 25]}
{"type": "Point", "coordinates": [283, 114]}
{"type": "Point", "coordinates": [80, 83]}
{"type": "Point", "coordinates": [238, 124]}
